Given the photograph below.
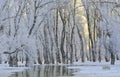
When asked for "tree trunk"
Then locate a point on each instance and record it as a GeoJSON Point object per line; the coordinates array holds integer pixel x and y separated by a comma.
{"type": "Point", "coordinates": [27, 61]}
{"type": "Point", "coordinates": [10, 62]}
{"type": "Point", "coordinates": [39, 60]}
{"type": "Point", "coordinates": [63, 19]}
{"type": "Point", "coordinates": [56, 38]}
{"type": "Point", "coordinates": [112, 58]}
{"type": "Point", "coordinates": [99, 56]}
{"type": "Point", "coordinates": [0, 59]}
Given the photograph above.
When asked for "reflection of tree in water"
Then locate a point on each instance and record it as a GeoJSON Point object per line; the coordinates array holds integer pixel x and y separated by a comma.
{"type": "Point", "coordinates": [16, 75]}
{"type": "Point", "coordinates": [44, 71]}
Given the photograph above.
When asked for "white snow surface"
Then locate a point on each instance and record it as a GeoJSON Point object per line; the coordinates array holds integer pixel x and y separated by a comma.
{"type": "Point", "coordinates": [6, 71]}
{"type": "Point", "coordinates": [96, 69]}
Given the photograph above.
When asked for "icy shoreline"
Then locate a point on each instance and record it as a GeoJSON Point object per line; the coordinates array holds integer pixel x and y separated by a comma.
{"type": "Point", "coordinates": [96, 69]}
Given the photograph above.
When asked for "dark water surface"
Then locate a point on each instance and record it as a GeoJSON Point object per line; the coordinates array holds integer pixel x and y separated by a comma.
{"type": "Point", "coordinates": [45, 71]}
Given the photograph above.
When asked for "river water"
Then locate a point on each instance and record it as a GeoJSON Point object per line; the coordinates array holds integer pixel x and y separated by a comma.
{"type": "Point", "coordinates": [45, 71]}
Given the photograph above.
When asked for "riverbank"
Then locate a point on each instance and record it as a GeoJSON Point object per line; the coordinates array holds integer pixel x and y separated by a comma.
{"type": "Point", "coordinates": [96, 69]}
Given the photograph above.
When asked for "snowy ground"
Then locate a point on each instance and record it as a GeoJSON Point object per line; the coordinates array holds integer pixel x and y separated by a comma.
{"type": "Point", "coordinates": [6, 71]}
{"type": "Point", "coordinates": [96, 69]}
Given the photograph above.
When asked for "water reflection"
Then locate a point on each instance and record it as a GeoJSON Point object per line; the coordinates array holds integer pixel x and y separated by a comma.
{"type": "Point", "coordinates": [44, 71]}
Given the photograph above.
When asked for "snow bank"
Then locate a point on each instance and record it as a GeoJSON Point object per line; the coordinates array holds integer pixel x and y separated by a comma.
{"type": "Point", "coordinates": [91, 69]}
{"type": "Point", "coordinates": [6, 71]}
